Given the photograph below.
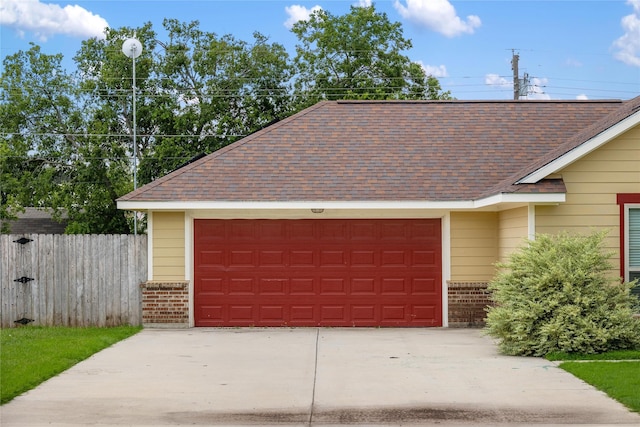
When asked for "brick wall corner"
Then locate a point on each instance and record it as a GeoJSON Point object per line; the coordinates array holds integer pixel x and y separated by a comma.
{"type": "Point", "coordinates": [165, 304]}
{"type": "Point", "coordinates": [468, 302]}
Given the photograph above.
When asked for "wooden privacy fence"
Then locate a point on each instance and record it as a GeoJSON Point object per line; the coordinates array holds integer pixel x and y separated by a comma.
{"type": "Point", "coordinates": [72, 280]}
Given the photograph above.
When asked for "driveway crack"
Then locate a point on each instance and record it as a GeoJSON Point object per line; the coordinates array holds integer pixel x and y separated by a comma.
{"type": "Point", "coordinates": [315, 376]}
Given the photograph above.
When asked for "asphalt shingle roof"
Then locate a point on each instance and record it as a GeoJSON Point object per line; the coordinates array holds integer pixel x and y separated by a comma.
{"type": "Point", "coordinates": [391, 150]}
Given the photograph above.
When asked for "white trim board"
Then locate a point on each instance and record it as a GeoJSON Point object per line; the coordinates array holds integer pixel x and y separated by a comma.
{"type": "Point", "coordinates": [355, 205]}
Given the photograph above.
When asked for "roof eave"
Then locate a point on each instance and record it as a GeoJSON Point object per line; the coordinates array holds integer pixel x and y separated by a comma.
{"type": "Point", "coordinates": [517, 198]}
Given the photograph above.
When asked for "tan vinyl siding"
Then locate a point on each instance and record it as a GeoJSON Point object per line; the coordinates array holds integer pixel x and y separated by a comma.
{"type": "Point", "coordinates": [513, 230]}
{"type": "Point", "coordinates": [474, 247]}
{"type": "Point", "coordinates": [592, 185]}
{"type": "Point", "coordinates": [168, 246]}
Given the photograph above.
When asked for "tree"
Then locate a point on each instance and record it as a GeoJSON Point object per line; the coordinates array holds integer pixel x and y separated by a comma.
{"type": "Point", "coordinates": [357, 56]}
{"type": "Point", "coordinates": [106, 76]}
{"type": "Point", "coordinates": [49, 160]}
{"type": "Point", "coordinates": [197, 92]}
{"type": "Point", "coordinates": [557, 294]}
{"type": "Point", "coordinates": [222, 90]}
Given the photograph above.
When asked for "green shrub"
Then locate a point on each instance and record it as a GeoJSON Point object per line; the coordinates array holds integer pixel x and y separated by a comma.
{"type": "Point", "coordinates": [556, 294]}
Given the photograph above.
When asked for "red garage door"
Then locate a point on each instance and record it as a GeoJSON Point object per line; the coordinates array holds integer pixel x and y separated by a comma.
{"type": "Point", "coordinates": [317, 272]}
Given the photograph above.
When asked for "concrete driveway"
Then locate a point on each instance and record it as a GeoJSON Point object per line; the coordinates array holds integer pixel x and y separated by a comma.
{"type": "Point", "coordinates": [312, 377]}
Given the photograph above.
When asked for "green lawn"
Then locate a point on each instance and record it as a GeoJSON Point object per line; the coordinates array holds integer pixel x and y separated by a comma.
{"type": "Point", "coordinates": [620, 380]}
{"type": "Point", "coordinates": [30, 355]}
{"type": "Point", "coordinates": [609, 355]}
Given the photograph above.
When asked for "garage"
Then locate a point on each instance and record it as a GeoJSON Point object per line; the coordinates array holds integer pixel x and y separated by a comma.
{"type": "Point", "coordinates": [328, 272]}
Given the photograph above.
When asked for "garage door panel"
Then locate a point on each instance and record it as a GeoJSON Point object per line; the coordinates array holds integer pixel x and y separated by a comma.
{"type": "Point", "coordinates": [241, 286]}
{"type": "Point", "coordinates": [363, 286]}
{"type": "Point", "coordinates": [303, 314]}
{"type": "Point", "coordinates": [241, 313]}
{"type": "Point", "coordinates": [271, 230]}
{"type": "Point", "coordinates": [422, 286]}
{"type": "Point", "coordinates": [212, 286]}
{"type": "Point", "coordinates": [272, 313]}
{"type": "Point", "coordinates": [242, 258]}
{"type": "Point", "coordinates": [364, 314]}
{"type": "Point", "coordinates": [211, 232]}
{"type": "Point", "coordinates": [394, 286]}
{"type": "Point", "coordinates": [363, 231]}
{"type": "Point", "coordinates": [393, 258]}
{"type": "Point", "coordinates": [211, 315]}
{"type": "Point", "coordinates": [302, 286]}
{"type": "Point", "coordinates": [302, 258]}
{"type": "Point", "coordinates": [363, 258]}
{"type": "Point", "coordinates": [423, 258]}
{"type": "Point", "coordinates": [336, 313]}
{"type": "Point", "coordinates": [332, 231]}
{"type": "Point", "coordinates": [425, 231]}
{"type": "Point", "coordinates": [272, 258]}
{"type": "Point", "coordinates": [333, 286]}
{"type": "Point", "coordinates": [273, 286]}
{"type": "Point", "coordinates": [394, 231]}
{"type": "Point", "coordinates": [243, 230]}
{"type": "Point", "coordinates": [211, 258]}
{"type": "Point", "coordinates": [301, 230]}
{"type": "Point", "coordinates": [317, 273]}
{"type": "Point", "coordinates": [332, 258]}
{"type": "Point", "coordinates": [393, 313]}
{"type": "Point", "coordinates": [424, 313]}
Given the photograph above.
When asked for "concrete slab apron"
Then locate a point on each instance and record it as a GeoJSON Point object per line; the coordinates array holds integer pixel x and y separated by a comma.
{"type": "Point", "coordinates": [448, 376]}
{"type": "Point", "coordinates": [311, 376]}
{"type": "Point", "coordinates": [180, 377]}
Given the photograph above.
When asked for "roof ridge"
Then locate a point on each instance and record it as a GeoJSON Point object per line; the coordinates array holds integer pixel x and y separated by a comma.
{"type": "Point", "coordinates": [477, 101]}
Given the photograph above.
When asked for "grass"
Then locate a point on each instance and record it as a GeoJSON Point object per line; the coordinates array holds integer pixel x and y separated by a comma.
{"type": "Point", "coordinates": [620, 380]}
{"type": "Point", "coordinates": [609, 355]}
{"type": "Point", "coordinates": [30, 355]}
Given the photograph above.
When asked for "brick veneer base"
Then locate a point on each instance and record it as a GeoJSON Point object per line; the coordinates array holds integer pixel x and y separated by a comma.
{"type": "Point", "coordinates": [165, 304]}
{"type": "Point", "coordinates": [467, 304]}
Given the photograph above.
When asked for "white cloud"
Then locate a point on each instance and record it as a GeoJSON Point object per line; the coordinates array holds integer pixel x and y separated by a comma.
{"type": "Point", "coordinates": [582, 97]}
{"type": "Point", "coordinates": [46, 19]}
{"type": "Point", "coordinates": [437, 71]}
{"type": "Point", "coordinates": [364, 3]}
{"type": "Point", "coordinates": [437, 15]}
{"type": "Point", "coordinates": [497, 80]}
{"type": "Point", "coordinates": [627, 47]}
{"type": "Point", "coordinates": [298, 13]}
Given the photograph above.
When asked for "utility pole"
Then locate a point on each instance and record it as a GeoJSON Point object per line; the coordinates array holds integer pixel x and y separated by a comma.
{"type": "Point", "coordinates": [132, 48]}
{"type": "Point", "coordinates": [520, 85]}
{"type": "Point", "coordinates": [516, 80]}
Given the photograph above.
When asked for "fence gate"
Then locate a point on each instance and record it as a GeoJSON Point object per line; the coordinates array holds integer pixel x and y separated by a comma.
{"type": "Point", "coordinates": [71, 280]}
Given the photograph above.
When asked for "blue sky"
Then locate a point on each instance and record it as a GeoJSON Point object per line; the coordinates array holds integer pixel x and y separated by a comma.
{"type": "Point", "coordinates": [569, 49]}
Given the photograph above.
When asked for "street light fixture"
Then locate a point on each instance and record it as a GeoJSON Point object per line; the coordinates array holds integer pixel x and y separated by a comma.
{"type": "Point", "coordinates": [132, 48]}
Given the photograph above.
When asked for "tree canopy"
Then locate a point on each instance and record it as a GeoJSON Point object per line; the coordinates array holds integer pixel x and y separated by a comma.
{"type": "Point", "coordinates": [357, 56]}
{"type": "Point", "coordinates": [68, 136]}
